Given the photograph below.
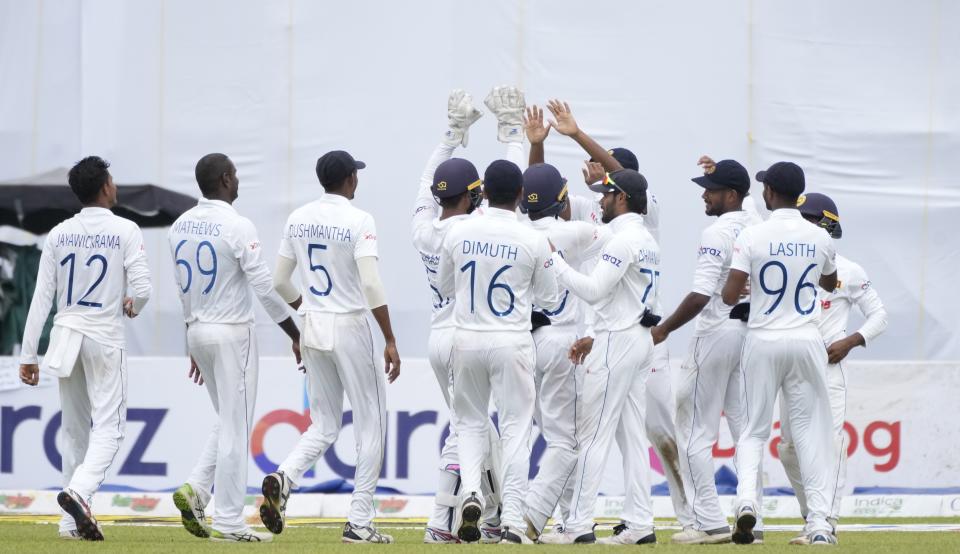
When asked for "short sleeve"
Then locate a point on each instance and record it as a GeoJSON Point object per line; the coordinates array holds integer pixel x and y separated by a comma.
{"type": "Point", "coordinates": [366, 242]}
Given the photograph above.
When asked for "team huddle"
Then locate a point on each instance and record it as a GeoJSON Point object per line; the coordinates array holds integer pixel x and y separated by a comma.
{"type": "Point", "coordinates": [544, 301]}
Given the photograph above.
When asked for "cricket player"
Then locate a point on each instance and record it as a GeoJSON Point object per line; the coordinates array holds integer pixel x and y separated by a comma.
{"type": "Point", "coordinates": [654, 399]}
{"type": "Point", "coordinates": [620, 289]}
{"type": "Point", "coordinates": [450, 190]}
{"type": "Point", "coordinates": [89, 262]}
{"type": "Point", "coordinates": [218, 260]}
{"type": "Point", "coordinates": [853, 289]}
{"type": "Point", "coordinates": [784, 259]}
{"type": "Point", "coordinates": [546, 203]}
{"type": "Point", "coordinates": [710, 376]}
{"type": "Point", "coordinates": [334, 245]}
{"type": "Point", "coordinates": [495, 268]}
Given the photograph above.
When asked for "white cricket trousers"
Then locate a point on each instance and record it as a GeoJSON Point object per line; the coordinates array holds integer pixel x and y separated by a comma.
{"type": "Point", "coordinates": [709, 387]}
{"type": "Point", "coordinates": [227, 357]}
{"type": "Point", "coordinates": [440, 354]}
{"type": "Point", "coordinates": [617, 360]}
{"type": "Point", "coordinates": [556, 414]}
{"type": "Point", "coordinates": [650, 406]}
{"type": "Point", "coordinates": [348, 368]}
{"type": "Point", "coordinates": [500, 363]}
{"type": "Point", "coordinates": [793, 363]}
{"type": "Point", "coordinates": [837, 389]}
{"type": "Point", "coordinates": [95, 391]}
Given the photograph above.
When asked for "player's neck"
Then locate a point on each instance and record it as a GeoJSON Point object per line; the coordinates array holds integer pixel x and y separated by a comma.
{"type": "Point", "coordinates": [447, 213]}
{"type": "Point", "coordinates": [220, 198]}
{"type": "Point", "coordinates": [100, 203]}
{"type": "Point", "coordinates": [509, 206]}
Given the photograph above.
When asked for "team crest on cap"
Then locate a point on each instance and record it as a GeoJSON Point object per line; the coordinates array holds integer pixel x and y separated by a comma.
{"type": "Point", "coordinates": [533, 197]}
{"type": "Point", "coordinates": [442, 185]}
{"type": "Point", "coordinates": [801, 200]}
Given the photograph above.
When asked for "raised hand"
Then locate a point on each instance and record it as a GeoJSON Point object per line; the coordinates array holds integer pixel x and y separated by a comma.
{"type": "Point", "coordinates": [563, 120]}
{"type": "Point", "coordinates": [707, 164]}
{"type": "Point", "coordinates": [461, 114]}
{"type": "Point", "coordinates": [593, 172]}
{"type": "Point", "coordinates": [507, 103]}
{"type": "Point", "coordinates": [533, 125]}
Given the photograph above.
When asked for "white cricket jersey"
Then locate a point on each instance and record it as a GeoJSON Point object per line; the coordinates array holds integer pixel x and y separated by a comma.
{"type": "Point", "coordinates": [853, 288]}
{"type": "Point", "coordinates": [624, 282]}
{"type": "Point", "coordinates": [88, 262]}
{"type": "Point", "coordinates": [496, 268]}
{"type": "Point", "coordinates": [326, 238]}
{"type": "Point", "coordinates": [428, 234]}
{"type": "Point", "coordinates": [713, 266]}
{"type": "Point", "coordinates": [218, 259]}
{"type": "Point", "coordinates": [573, 240]}
{"type": "Point", "coordinates": [784, 256]}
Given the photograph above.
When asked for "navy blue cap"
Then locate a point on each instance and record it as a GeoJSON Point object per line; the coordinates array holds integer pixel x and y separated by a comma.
{"type": "Point", "coordinates": [824, 209]}
{"type": "Point", "coordinates": [454, 177]}
{"type": "Point", "coordinates": [627, 181]}
{"type": "Point", "coordinates": [727, 174]}
{"type": "Point", "coordinates": [502, 176]}
{"type": "Point", "coordinates": [626, 158]}
{"type": "Point", "coordinates": [785, 178]}
{"type": "Point", "coordinates": [335, 166]}
{"type": "Point", "coordinates": [543, 188]}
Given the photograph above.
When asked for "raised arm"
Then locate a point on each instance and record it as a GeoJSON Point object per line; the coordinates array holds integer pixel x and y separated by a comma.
{"type": "Point", "coordinates": [537, 133]}
{"type": "Point", "coordinates": [565, 124]}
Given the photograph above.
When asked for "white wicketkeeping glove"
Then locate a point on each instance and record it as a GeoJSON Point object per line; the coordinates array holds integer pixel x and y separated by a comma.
{"type": "Point", "coordinates": [461, 114]}
{"type": "Point", "coordinates": [507, 103]}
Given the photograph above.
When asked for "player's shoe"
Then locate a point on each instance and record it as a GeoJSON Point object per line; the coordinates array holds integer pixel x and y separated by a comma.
{"type": "Point", "coordinates": [432, 535]}
{"type": "Point", "coordinates": [468, 526]}
{"type": "Point", "coordinates": [720, 535]}
{"type": "Point", "coordinates": [273, 511]}
{"type": "Point", "coordinates": [746, 520]}
{"type": "Point", "coordinates": [512, 536]}
{"type": "Point", "coordinates": [568, 538]}
{"type": "Point", "coordinates": [532, 532]}
{"type": "Point", "coordinates": [822, 538]}
{"type": "Point", "coordinates": [624, 535]}
{"type": "Point", "coordinates": [757, 537]}
{"type": "Point", "coordinates": [490, 534]}
{"type": "Point", "coordinates": [191, 511]}
{"type": "Point", "coordinates": [71, 535]}
{"type": "Point", "coordinates": [801, 540]}
{"type": "Point", "coordinates": [87, 525]}
{"type": "Point", "coordinates": [247, 535]}
{"type": "Point", "coordinates": [353, 534]}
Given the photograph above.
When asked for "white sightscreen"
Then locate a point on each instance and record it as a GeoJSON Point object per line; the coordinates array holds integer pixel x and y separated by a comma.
{"type": "Point", "coordinates": [865, 95]}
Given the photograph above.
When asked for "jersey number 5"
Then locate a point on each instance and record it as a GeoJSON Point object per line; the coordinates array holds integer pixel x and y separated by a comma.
{"type": "Point", "coordinates": [317, 267]}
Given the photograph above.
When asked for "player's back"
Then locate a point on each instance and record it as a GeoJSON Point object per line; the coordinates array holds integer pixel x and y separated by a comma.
{"type": "Point", "coordinates": [93, 250]}
{"type": "Point", "coordinates": [572, 240]}
{"type": "Point", "coordinates": [716, 250]}
{"type": "Point", "coordinates": [785, 257]}
{"type": "Point", "coordinates": [498, 267]}
{"type": "Point", "coordinates": [207, 242]}
{"type": "Point", "coordinates": [326, 237]}
{"type": "Point", "coordinates": [428, 240]}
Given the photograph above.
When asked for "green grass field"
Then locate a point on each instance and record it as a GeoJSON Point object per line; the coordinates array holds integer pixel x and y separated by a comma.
{"type": "Point", "coordinates": [40, 535]}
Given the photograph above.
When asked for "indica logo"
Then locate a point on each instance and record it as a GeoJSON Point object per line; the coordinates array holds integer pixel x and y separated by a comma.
{"type": "Point", "coordinates": [136, 503]}
{"type": "Point", "coordinates": [16, 501]}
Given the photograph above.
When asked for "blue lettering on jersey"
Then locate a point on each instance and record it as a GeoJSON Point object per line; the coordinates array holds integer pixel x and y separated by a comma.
{"type": "Point", "coordinates": [81, 240]}
{"type": "Point", "coordinates": [708, 250]}
{"type": "Point", "coordinates": [651, 256]}
{"type": "Point", "coordinates": [201, 228]}
{"type": "Point", "coordinates": [796, 249]}
{"type": "Point", "coordinates": [503, 251]}
{"type": "Point", "coordinates": [311, 231]}
{"type": "Point", "coordinates": [612, 259]}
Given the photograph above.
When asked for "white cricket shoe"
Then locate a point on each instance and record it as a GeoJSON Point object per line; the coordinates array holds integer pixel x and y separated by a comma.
{"type": "Point", "coordinates": [432, 535]}
{"type": "Point", "coordinates": [191, 511]}
{"type": "Point", "coordinates": [623, 535]}
{"type": "Point", "coordinates": [490, 534]}
{"type": "Point", "coordinates": [467, 521]}
{"type": "Point", "coordinates": [822, 538]}
{"type": "Point", "coordinates": [273, 511]}
{"type": "Point", "coordinates": [568, 538]}
{"type": "Point", "coordinates": [247, 535]}
{"type": "Point", "coordinates": [513, 536]}
{"type": "Point", "coordinates": [364, 533]}
{"type": "Point", "coordinates": [746, 520]}
{"type": "Point", "coordinates": [71, 535]}
{"type": "Point", "coordinates": [690, 535]}
{"type": "Point", "coordinates": [87, 525]}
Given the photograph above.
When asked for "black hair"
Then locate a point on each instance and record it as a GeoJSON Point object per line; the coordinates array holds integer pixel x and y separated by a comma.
{"type": "Point", "coordinates": [637, 203]}
{"type": "Point", "coordinates": [87, 177]}
{"type": "Point", "coordinates": [502, 182]}
{"type": "Point", "coordinates": [209, 170]}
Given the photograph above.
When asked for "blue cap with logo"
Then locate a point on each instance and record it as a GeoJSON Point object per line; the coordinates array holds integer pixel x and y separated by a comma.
{"type": "Point", "coordinates": [335, 166]}
{"type": "Point", "coordinates": [544, 190]}
{"type": "Point", "coordinates": [726, 174]}
{"type": "Point", "coordinates": [785, 178]}
{"type": "Point", "coordinates": [822, 208]}
{"type": "Point", "coordinates": [454, 177]}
